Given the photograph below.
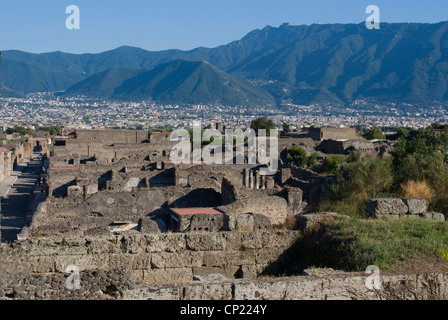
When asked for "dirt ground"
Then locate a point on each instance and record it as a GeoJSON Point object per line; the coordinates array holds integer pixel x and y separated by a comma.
{"type": "Point", "coordinates": [421, 263]}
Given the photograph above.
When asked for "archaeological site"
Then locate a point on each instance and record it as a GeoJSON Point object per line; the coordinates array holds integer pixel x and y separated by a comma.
{"type": "Point", "coordinates": [112, 217]}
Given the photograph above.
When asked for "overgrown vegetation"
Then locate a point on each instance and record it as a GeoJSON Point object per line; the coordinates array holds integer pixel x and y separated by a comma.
{"type": "Point", "coordinates": [53, 130]}
{"type": "Point", "coordinates": [424, 160]}
{"type": "Point", "coordinates": [374, 133]}
{"type": "Point", "coordinates": [367, 179]}
{"type": "Point", "coordinates": [263, 123]}
{"type": "Point", "coordinates": [21, 130]}
{"type": "Point", "coordinates": [382, 242]}
{"type": "Point", "coordinates": [417, 167]}
{"type": "Point", "coordinates": [354, 244]}
{"type": "Point", "coordinates": [332, 163]}
{"type": "Point", "coordinates": [297, 155]}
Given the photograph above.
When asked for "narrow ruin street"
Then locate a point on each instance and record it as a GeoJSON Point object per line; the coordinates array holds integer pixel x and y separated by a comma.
{"type": "Point", "coordinates": [20, 200]}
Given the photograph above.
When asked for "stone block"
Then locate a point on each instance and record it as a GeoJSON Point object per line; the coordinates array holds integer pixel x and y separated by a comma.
{"type": "Point", "coordinates": [415, 205]}
{"type": "Point", "coordinates": [87, 262]}
{"type": "Point", "coordinates": [133, 244]}
{"type": "Point", "coordinates": [91, 189]}
{"type": "Point", "coordinates": [304, 289]}
{"type": "Point", "coordinates": [131, 183]}
{"type": "Point", "coordinates": [267, 256]}
{"type": "Point", "coordinates": [261, 222]}
{"type": "Point", "coordinates": [121, 261]}
{"type": "Point", "coordinates": [206, 242]}
{"type": "Point", "coordinates": [206, 222]}
{"type": "Point", "coordinates": [74, 191]}
{"type": "Point", "coordinates": [213, 291]}
{"type": "Point", "coordinates": [434, 216]}
{"type": "Point", "coordinates": [385, 207]}
{"type": "Point", "coordinates": [438, 216]}
{"type": "Point", "coordinates": [273, 207]}
{"type": "Point", "coordinates": [252, 240]}
{"type": "Point", "coordinates": [229, 271]}
{"type": "Point", "coordinates": [240, 222]}
{"type": "Point", "coordinates": [233, 240]}
{"type": "Point", "coordinates": [174, 242]}
{"type": "Point", "coordinates": [143, 292]}
{"type": "Point", "coordinates": [166, 260]}
{"type": "Point", "coordinates": [250, 271]}
{"type": "Point", "coordinates": [314, 220]}
{"type": "Point", "coordinates": [260, 290]}
{"type": "Point", "coordinates": [209, 278]}
{"type": "Point", "coordinates": [141, 261]}
{"type": "Point", "coordinates": [147, 225]}
{"type": "Point", "coordinates": [238, 258]}
{"type": "Point", "coordinates": [279, 239]}
{"type": "Point", "coordinates": [102, 245]}
{"type": "Point", "coordinates": [43, 264]}
{"type": "Point", "coordinates": [215, 259]}
{"type": "Point", "coordinates": [176, 276]}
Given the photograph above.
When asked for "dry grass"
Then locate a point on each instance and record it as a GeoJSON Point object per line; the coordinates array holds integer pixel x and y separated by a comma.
{"type": "Point", "coordinates": [418, 189]}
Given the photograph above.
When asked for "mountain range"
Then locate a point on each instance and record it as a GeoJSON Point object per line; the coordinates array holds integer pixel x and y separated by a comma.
{"type": "Point", "coordinates": [331, 63]}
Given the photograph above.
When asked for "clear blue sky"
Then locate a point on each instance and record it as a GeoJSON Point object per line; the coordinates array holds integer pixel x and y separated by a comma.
{"type": "Point", "coordinates": [39, 25]}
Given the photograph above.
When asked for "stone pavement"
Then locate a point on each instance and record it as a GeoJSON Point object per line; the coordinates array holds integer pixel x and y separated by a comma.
{"type": "Point", "coordinates": [20, 197]}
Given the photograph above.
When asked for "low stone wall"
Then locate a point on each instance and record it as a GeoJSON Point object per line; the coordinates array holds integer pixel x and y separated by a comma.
{"type": "Point", "coordinates": [401, 287]}
{"type": "Point", "coordinates": [186, 267]}
{"type": "Point", "coordinates": [151, 259]}
{"type": "Point", "coordinates": [399, 208]}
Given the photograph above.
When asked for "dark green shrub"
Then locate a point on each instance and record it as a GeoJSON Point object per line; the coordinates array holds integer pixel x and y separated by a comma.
{"type": "Point", "coordinates": [332, 163]}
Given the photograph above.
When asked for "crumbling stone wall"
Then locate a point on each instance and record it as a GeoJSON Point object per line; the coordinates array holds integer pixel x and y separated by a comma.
{"type": "Point", "coordinates": [344, 287]}
{"type": "Point", "coordinates": [273, 207]}
{"type": "Point", "coordinates": [345, 146]}
{"type": "Point", "coordinates": [200, 176]}
{"type": "Point", "coordinates": [115, 136]}
{"type": "Point", "coordinates": [320, 134]}
{"type": "Point", "coordinates": [150, 258]}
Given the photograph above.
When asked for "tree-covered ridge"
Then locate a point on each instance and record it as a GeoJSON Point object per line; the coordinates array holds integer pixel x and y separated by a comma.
{"type": "Point", "coordinates": [335, 63]}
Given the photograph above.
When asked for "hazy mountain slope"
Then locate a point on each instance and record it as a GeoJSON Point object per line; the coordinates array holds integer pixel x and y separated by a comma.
{"type": "Point", "coordinates": [102, 84]}
{"type": "Point", "coordinates": [316, 63]}
{"type": "Point", "coordinates": [183, 81]}
{"type": "Point", "coordinates": [346, 62]}
{"type": "Point", "coordinates": [25, 77]}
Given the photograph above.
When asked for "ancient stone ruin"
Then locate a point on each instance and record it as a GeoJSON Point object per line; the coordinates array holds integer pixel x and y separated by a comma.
{"type": "Point", "coordinates": [136, 225]}
{"type": "Point", "coordinates": [401, 208]}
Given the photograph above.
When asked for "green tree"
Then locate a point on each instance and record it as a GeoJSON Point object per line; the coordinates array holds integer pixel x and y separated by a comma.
{"type": "Point", "coordinates": [332, 163]}
{"type": "Point", "coordinates": [297, 155]}
{"type": "Point", "coordinates": [360, 130]}
{"type": "Point", "coordinates": [311, 160]}
{"type": "Point", "coordinates": [354, 156]}
{"type": "Point", "coordinates": [286, 128]}
{"type": "Point", "coordinates": [263, 123]}
{"type": "Point", "coordinates": [53, 130]}
{"type": "Point", "coordinates": [21, 130]}
{"type": "Point", "coordinates": [373, 133]}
